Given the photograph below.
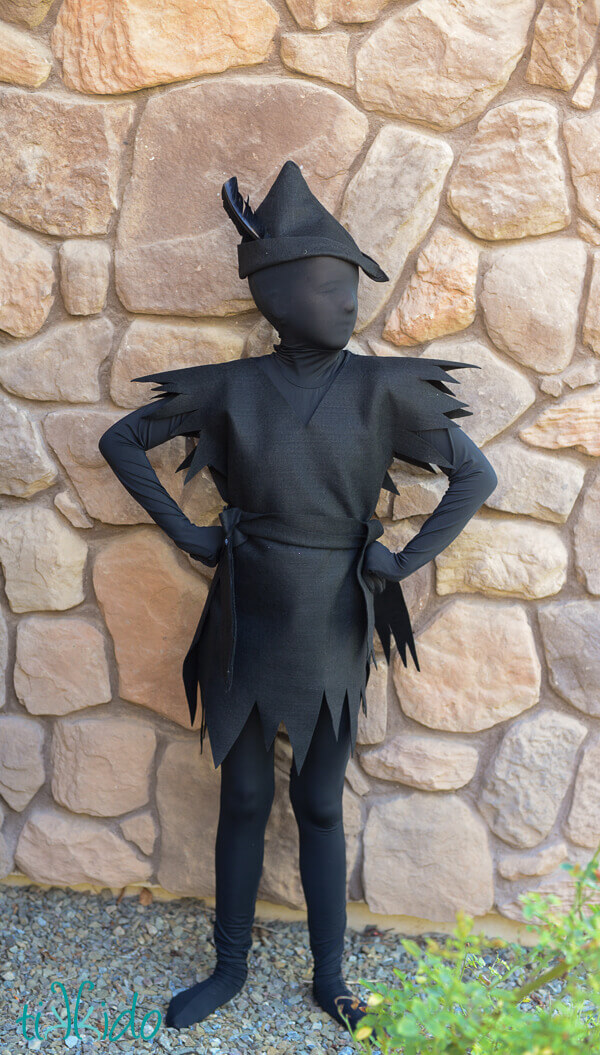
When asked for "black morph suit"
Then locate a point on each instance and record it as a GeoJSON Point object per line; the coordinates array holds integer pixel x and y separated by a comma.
{"type": "Point", "coordinates": [299, 444]}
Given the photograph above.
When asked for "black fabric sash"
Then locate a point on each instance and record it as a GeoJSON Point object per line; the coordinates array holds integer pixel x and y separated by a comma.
{"type": "Point", "coordinates": [387, 611]}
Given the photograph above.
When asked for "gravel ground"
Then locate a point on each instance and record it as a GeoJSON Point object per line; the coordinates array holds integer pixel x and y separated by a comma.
{"type": "Point", "coordinates": [154, 950]}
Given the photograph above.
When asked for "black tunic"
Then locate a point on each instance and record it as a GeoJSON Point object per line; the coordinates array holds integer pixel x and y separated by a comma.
{"type": "Point", "coordinates": [290, 616]}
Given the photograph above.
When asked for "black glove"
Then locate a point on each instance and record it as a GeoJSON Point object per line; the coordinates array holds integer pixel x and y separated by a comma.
{"type": "Point", "coordinates": [380, 566]}
{"type": "Point", "coordinates": [203, 543]}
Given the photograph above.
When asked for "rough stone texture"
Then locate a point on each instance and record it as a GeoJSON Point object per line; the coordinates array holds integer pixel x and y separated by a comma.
{"type": "Point", "coordinates": [584, 371]}
{"type": "Point", "coordinates": [562, 42]}
{"type": "Point", "coordinates": [150, 638]}
{"type": "Point", "coordinates": [465, 638]}
{"type": "Point", "coordinates": [102, 765]}
{"type": "Point", "coordinates": [150, 345]}
{"type": "Point", "coordinates": [442, 61]}
{"type": "Point", "coordinates": [317, 14]}
{"type": "Point", "coordinates": [356, 778]}
{"type": "Point", "coordinates": [418, 495]}
{"type": "Point", "coordinates": [60, 364]}
{"type": "Point", "coordinates": [25, 12]}
{"type": "Point", "coordinates": [583, 96]}
{"type": "Point", "coordinates": [559, 884]}
{"type": "Point", "coordinates": [571, 638]}
{"type": "Point", "coordinates": [25, 467]}
{"type": "Point", "coordinates": [587, 537]}
{"type": "Point", "coordinates": [84, 275]}
{"type": "Point", "coordinates": [70, 151]}
{"type": "Point", "coordinates": [57, 847]}
{"type": "Point", "coordinates": [325, 56]}
{"type": "Point", "coordinates": [440, 295]}
{"type": "Point", "coordinates": [529, 777]}
{"type": "Point", "coordinates": [42, 559]}
{"type": "Point", "coordinates": [126, 45]}
{"type": "Point", "coordinates": [497, 393]}
{"type": "Point", "coordinates": [3, 656]}
{"type": "Point", "coordinates": [509, 182]}
{"type": "Point", "coordinates": [533, 483]}
{"type": "Point", "coordinates": [503, 558]}
{"type": "Point", "coordinates": [574, 422]}
{"type": "Point", "coordinates": [187, 798]}
{"type": "Point", "coordinates": [530, 300]}
{"type": "Point", "coordinates": [583, 823]}
{"type": "Point", "coordinates": [588, 232]}
{"type": "Point", "coordinates": [372, 727]}
{"type": "Point", "coordinates": [74, 434]}
{"type": "Point", "coordinates": [49, 675]}
{"type": "Point", "coordinates": [26, 279]}
{"type": "Point", "coordinates": [23, 59]}
{"type": "Point", "coordinates": [427, 856]}
{"type": "Point", "coordinates": [176, 247]}
{"type": "Point", "coordinates": [581, 136]}
{"type": "Point", "coordinates": [22, 770]}
{"type": "Point", "coordinates": [591, 322]}
{"type": "Point", "coordinates": [71, 508]}
{"type": "Point", "coordinates": [390, 204]}
{"type": "Point", "coordinates": [141, 830]}
{"type": "Point", "coordinates": [543, 861]}
{"type": "Point", "coordinates": [426, 762]}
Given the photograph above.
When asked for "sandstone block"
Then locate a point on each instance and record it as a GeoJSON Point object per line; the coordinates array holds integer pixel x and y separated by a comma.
{"type": "Point", "coordinates": [176, 249]}
{"type": "Point", "coordinates": [562, 42]}
{"type": "Point", "coordinates": [558, 884]}
{"type": "Point", "coordinates": [582, 135]}
{"type": "Point", "coordinates": [587, 537]}
{"type": "Point", "coordinates": [509, 182]}
{"type": "Point", "coordinates": [71, 508]}
{"type": "Point", "coordinates": [479, 666]}
{"type": "Point", "coordinates": [26, 280]}
{"type": "Point", "coordinates": [49, 675]}
{"type": "Point", "coordinates": [591, 322]}
{"type": "Point", "coordinates": [512, 558]}
{"type": "Point", "coordinates": [533, 483]}
{"type": "Point", "coordinates": [426, 762]}
{"type": "Point", "coordinates": [25, 12]}
{"type": "Point", "coordinates": [530, 776]}
{"type": "Point", "coordinates": [58, 848]}
{"type": "Point", "coordinates": [574, 422]}
{"type": "Point", "coordinates": [390, 204]}
{"type": "Point", "coordinates": [583, 823]}
{"type": "Point", "coordinates": [151, 627]}
{"type": "Point", "coordinates": [571, 637]}
{"type": "Point", "coordinates": [440, 295]}
{"type": "Point", "coordinates": [22, 770]}
{"type": "Point", "coordinates": [60, 364]}
{"type": "Point", "coordinates": [325, 56]}
{"type": "Point", "coordinates": [530, 300]}
{"type": "Point", "coordinates": [23, 59]}
{"type": "Point", "coordinates": [124, 46]}
{"type": "Point", "coordinates": [141, 830]}
{"type": "Point", "coordinates": [427, 856]}
{"type": "Point", "coordinates": [43, 560]}
{"type": "Point", "coordinates": [71, 153]}
{"type": "Point", "coordinates": [25, 467]}
{"type": "Point", "coordinates": [317, 14]}
{"type": "Point", "coordinates": [101, 766]}
{"type": "Point", "coordinates": [3, 656]}
{"type": "Point", "coordinates": [522, 866]}
{"type": "Point", "coordinates": [583, 96]}
{"type": "Point", "coordinates": [442, 62]}
{"type": "Point", "coordinates": [84, 274]}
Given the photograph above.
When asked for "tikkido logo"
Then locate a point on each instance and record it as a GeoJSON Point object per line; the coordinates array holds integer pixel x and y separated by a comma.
{"type": "Point", "coordinates": [70, 1024]}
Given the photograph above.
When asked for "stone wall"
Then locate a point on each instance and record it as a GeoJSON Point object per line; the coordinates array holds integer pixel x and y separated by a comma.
{"type": "Point", "coordinates": [460, 144]}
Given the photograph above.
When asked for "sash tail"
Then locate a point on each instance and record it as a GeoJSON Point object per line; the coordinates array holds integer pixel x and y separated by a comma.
{"type": "Point", "coordinates": [374, 530]}
{"type": "Point", "coordinates": [190, 663]}
{"type": "Point", "coordinates": [392, 618]}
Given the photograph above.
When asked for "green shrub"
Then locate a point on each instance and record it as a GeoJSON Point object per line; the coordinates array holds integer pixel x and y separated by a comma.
{"type": "Point", "coordinates": [457, 1004]}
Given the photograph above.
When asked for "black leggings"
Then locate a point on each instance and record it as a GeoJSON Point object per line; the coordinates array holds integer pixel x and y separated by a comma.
{"type": "Point", "coordinates": [247, 790]}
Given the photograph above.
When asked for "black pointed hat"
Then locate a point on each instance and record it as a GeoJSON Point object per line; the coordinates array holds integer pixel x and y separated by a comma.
{"type": "Point", "coordinates": [290, 223]}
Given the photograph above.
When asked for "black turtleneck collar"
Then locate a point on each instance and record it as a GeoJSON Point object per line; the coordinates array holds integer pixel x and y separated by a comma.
{"type": "Point", "coordinates": [306, 366]}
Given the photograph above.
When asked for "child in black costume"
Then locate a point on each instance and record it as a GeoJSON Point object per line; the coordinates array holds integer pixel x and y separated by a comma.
{"type": "Point", "coordinates": [298, 443]}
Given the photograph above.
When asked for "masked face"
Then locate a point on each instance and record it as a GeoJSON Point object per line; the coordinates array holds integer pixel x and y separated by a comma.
{"type": "Point", "coordinates": [310, 302]}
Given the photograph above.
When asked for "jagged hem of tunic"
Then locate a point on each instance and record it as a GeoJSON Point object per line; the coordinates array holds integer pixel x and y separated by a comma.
{"type": "Point", "coordinates": [299, 759]}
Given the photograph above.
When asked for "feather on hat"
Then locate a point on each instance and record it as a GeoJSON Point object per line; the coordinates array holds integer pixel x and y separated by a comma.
{"type": "Point", "coordinates": [290, 223]}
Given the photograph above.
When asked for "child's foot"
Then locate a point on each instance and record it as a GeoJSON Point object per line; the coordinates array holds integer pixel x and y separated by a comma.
{"type": "Point", "coordinates": [336, 999]}
{"type": "Point", "coordinates": [192, 1005]}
